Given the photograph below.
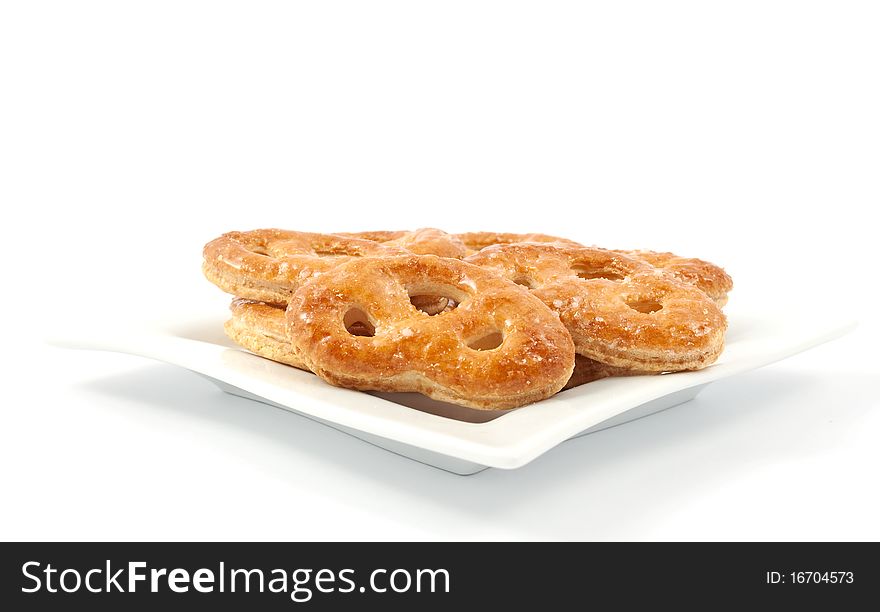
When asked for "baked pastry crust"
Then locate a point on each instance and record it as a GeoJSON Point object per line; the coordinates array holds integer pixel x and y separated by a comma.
{"type": "Point", "coordinates": [261, 329]}
{"type": "Point", "coordinates": [619, 310]}
{"type": "Point", "coordinates": [705, 276]}
{"type": "Point", "coordinates": [529, 355]}
{"type": "Point", "coordinates": [268, 265]}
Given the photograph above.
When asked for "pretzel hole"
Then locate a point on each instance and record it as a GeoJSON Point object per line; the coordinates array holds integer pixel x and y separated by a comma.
{"type": "Point", "coordinates": [526, 281]}
{"type": "Point", "coordinates": [645, 306]}
{"type": "Point", "coordinates": [592, 272]}
{"type": "Point", "coordinates": [488, 342]}
{"type": "Point", "coordinates": [432, 304]}
{"type": "Point", "coordinates": [358, 324]}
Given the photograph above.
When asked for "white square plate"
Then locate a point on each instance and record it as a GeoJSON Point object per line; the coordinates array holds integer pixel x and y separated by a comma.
{"type": "Point", "coordinates": [415, 427]}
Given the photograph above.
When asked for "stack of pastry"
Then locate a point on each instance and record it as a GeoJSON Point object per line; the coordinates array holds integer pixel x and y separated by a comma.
{"type": "Point", "coordinates": [484, 320]}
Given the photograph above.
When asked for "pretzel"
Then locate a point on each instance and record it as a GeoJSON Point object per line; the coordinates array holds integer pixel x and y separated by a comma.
{"type": "Point", "coordinates": [426, 241]}
{"type": "Point", "coordinates": [706, 276]}
{"type": "Point", "coordinates": [499, 348]}
{"type": "Point", "coordinates": [261, 329]}
{"type": "Point", "coordinates": [620, 311]}
{"type": "Point", "coordinates": [709, 278]}
{"type": "Point", "coordinates": [268, 265]}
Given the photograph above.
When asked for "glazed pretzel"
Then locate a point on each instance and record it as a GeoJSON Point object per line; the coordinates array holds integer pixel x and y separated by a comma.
{"type": "Point", "coordinates": [268, 265]}
{"type": "Point", "coordinates": [499, 348]}
{"type": "Point", "coordinates": [261, 329]}
{"type": "Point", "coordinates": [706, 276]}
{"type": "Point", "coordinates": [426, 241]}
{"type": "Point", "coordinates": [620, 311]}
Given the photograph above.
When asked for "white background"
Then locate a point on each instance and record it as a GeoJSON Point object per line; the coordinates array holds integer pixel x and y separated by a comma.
{"type": "Point", "coordinates": [131, 133]}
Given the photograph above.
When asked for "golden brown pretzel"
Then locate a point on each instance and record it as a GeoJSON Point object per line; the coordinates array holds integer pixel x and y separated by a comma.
{"type": "Point", "coordinates": [268, 265]}
{"type": "Point", "coordinates": [261, 329]}
{"type": "Point", "coordinates": [706, 276]}
{"type": "Point", "coordinates": [619, 310]}
{"type": "Point", "coordinates": [499, 348]}
{"type": "Point", "coordinates": [709, 278]}
{"type": "Point", "coordinates": [425, 241]}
